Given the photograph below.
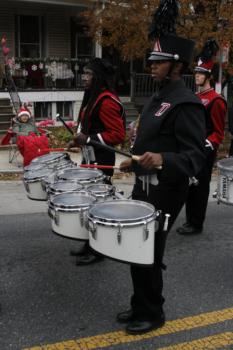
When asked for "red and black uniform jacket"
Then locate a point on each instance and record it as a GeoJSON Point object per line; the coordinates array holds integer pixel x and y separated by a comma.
{"type": "Point", "coordinates": [105, 124]}
{"type": "Point", "coordinates": [216, 108]}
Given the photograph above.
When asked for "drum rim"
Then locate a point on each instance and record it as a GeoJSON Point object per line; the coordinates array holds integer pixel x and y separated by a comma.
{"type": "Point", "coordinates": [36, 178]}
{"type": "Point", "coordinates": [116, 222]}
{"type": "Point", "coordinates": [62, 207]}
{"type": "Point", "coordinates": [60, 175]}
{"type": "Point", "coordinates": [53, 190]}
{"type": "Point", "coordinates": [38, 159]}
{"type": "Point", "coordinates": [111, 190]}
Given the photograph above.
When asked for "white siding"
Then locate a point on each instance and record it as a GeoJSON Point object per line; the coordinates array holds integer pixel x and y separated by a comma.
{"type": "Point", "coordinates": [58, 32]}
{"type": "Point", "coordinates": [57, 25]}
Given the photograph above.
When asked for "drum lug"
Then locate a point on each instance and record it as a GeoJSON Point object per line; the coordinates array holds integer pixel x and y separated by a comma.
{"type": "Point", "coordinates": [26, 187]}
{"type": "Point", "coordinates": [56, 218]}
{"type": "Point", "coordinates": [93, 230]}
{"type": "Point", "coordinates": [50, 214]}
{"type": "Point", "coordinates": [81, 217]}
{"type": "Point", "coordinates": [119, 235]}
{"type": "Point", "coordinates": [145, 232]}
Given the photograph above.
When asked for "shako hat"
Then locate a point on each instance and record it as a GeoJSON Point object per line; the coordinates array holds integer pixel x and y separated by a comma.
{"type": "Point", "coordinates": [206, 62]}
{"type": "Point", "coordinates": [169, 46]}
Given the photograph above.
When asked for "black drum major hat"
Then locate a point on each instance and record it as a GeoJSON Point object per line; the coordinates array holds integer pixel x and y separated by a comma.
{"type": "Point", "coordinates": [167, 45]}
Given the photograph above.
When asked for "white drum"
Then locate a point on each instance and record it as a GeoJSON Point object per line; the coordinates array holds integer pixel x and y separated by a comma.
{"type": "Point", "coordinates": [80, 175]}
{"type": "Point", "coordinates": [225, 181]}
{"type": "Point", "coordinates": [103, 192]}
{"type": "Point", "coordinates": [33, 183]}
{"type": "Point", "coordinates": [62, 186]}
{"type": "Point", "coordinates": [58, 160]}
{"type": "Point", "coordinates": [123, 230]}
{"type": "Point", "coordinates": [68, 213]}
{"type": "Point", "coordinates": [34, 167]}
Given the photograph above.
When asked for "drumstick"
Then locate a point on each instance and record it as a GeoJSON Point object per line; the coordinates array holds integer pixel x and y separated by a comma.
{"type": "Point", "coordinates": [73, 149]}
{"type": "Point", "coordinates": [112, 149]}
{"type": "Point", "coordinates": [64, 123]}
{"type": "Point", "coordinates": [104, 146]}
{"type": "Point", "coordinates": [97, 166]}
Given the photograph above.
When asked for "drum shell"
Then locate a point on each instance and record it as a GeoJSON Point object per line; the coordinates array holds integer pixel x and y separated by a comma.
{"type": "Point", "coordinates": [34, 187]}
{"type": "Point", "coordinates": [225, 181]}
{"type": "Point", "coordinates": [130, 242]}
{"type": "Point", "coordinates": [70, 222]}
{"type": "Point", "coordinates": [131, 249]}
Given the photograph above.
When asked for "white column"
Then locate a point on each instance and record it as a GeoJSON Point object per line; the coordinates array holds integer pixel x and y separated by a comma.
{"type": "Point", "coordinates": [98, 50]}
{"type": "Point", "coordinates": [54, 110]}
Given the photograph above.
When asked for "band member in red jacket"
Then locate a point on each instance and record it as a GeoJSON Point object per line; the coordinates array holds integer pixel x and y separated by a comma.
{"type": "Point", "coordinates": [101, 119]}
{"type": "Point", "coordinates": [216, 109]}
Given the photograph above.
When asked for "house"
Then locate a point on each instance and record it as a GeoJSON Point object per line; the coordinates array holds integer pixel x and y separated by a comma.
{"type": "Point", "coordinates": [49, 46]}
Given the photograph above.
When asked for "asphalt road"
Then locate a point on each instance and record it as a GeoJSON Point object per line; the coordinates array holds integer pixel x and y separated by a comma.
{"type": "Point", "coordinates": [47, 299]}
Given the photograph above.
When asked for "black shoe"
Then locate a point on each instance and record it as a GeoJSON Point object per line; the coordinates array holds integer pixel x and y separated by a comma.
{"type": "Point", "coordinates": [143, 326]}
{"type": "Point", "coordinates": [84, 250]}
{"type": "Point", "coordinates": [88, 259]}
{"type": "Point", "coordinates": [188, 229]}
{"type": "Point", "coordinates": [125, 316]}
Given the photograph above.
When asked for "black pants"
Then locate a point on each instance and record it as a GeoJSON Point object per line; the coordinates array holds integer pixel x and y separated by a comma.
{"type": "Point", "coordinates": [197, 200]}
{"type": "Point", "coordinates": [147, 299]}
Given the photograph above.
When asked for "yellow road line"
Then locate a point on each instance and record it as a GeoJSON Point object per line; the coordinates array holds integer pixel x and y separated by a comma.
{"type": "Point", "coordinates": [114, 338]}
{"type": "Point", "coordinates": [214, 342]}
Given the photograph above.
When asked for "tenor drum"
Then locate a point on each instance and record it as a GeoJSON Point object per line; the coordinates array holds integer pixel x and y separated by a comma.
{"type": "Point", "coordinates": [80, 175]}
{"type": "Point", "coordinates": [33, 183]}
{"type": "Point", "coordinates": [123, 230]}
{"type": "Point", "coordinates": [102, 192]}
{"type": "Point", "coordinates": [62, 186]}
{"type": "Point", "coordinates": [34, 167]}
{"type": "Point", "coordinates": [225, 181]}
{"type": "Point", "coordinates": [68, 213]}
{"type": "Point", "coordinates": [56, 160]}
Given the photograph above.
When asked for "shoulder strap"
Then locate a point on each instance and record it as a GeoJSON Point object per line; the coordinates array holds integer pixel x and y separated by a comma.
{"type": "Point", "coordinates": [109, 95]}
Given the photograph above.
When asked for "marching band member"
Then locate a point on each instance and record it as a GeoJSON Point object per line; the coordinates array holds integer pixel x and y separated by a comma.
{"type": "Point", "coordinates": [102, 119]}
{"type": "Point", "coordinates": [171, 138]}
{"type": "Point", "coordinates": [216, 108]}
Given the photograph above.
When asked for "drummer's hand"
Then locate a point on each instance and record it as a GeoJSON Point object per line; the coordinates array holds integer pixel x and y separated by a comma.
{"type": "Point", "coordinates": [151, 160]}
{"type": "Point", "coordinates": [71, 145]}
{"type": "Point", "coordinates": [80, 139]}
{"type": "Point", "coordinates": [126, 165]}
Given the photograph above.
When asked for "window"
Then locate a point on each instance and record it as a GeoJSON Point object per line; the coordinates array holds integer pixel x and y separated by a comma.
{"type": "Point", "coordinates": [42, 110]}
{"type": "Point", "coordinates": [28, 36]}
{"type": "Point", "coordinates": [84, 45]}
{"type": "Point", "coordinates": [65, 109]}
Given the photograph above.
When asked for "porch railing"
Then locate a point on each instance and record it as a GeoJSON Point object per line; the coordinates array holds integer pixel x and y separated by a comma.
{"type": "Point", "coordinates": [48, 73]}
{"type": "Point", "coordinates": [144, 85]}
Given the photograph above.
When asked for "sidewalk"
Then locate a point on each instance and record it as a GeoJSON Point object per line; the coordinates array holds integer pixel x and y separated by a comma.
{"type": "Point", "coordinates": [14, 199]}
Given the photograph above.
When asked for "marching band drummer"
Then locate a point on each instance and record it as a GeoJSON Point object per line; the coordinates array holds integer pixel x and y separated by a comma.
{"type": "Point", "coordinates": [102, 119]}
{"type": "Point", "coordinates": [216, 108]}
{"type": "Point", "coordinates": [171, 138]}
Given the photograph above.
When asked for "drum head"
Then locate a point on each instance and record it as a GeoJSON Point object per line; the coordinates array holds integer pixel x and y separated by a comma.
{"type": "Point", "coordinates": [122, 211]}
{"type": "Point", "coordinates": [80, 175]}
{"type": "Point", "coordinates": [50, 157]}
{"type": "Point", "coordinates": [34, 167]}
{"type": "Point", "coordinates": [73, 200]}
{"type": "Point", "coordinates": [39, 174]}
{"type": "Point", "coordinates": [65, 186]}
{"type": "Point", "coordinates": [100, 189]}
